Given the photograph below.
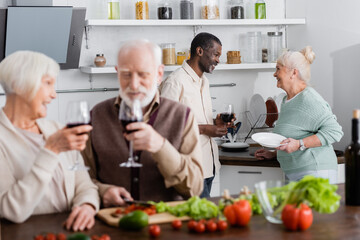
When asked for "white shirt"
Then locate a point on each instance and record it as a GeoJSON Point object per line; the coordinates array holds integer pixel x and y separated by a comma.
{"type": "Point", "coordinates": [185, 86]}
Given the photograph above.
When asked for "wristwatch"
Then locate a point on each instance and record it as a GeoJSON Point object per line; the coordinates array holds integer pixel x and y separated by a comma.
{"type": "Point", "coordinates": [302, 145]}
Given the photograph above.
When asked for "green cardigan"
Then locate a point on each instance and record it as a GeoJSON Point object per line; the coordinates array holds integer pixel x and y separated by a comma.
{"type": "Point", "coordinates": [305, 115]}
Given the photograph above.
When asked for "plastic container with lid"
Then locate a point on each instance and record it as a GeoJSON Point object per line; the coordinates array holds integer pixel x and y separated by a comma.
{"type": "Point", "coordinates": [100, 60]}
{"type": "Point", "coordinates": [210, 9]}
{"type": "Point", "coordinates": [236, 9]}
{"type": "Point", "coordinates": [181, 57]}
{"type": "Point", "coordinates": [186, 9]}
{"type": "Point", "coordinates": [142, 9]}
{"type": "Point", "coordinates": [113, 9]}
{"type": "Point", "coordinates": [253, 47]}
{"type": "Point", "coordinates": [164, 10]}
{"type": "Point", "coordinates": [274, 45]}
{"type": "Point", "coordinates": [168, 52]}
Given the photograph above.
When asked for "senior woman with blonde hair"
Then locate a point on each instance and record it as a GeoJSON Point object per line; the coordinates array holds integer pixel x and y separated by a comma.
{"type": "Point", "coordinates": [35, 153]}
{"type": "Point", "coordinates": [306, 120]}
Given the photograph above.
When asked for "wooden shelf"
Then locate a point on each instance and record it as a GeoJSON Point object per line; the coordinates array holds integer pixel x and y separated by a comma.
{"type": "Point", "coordinates": [242, 66]}
{"type": "Point", "coordinates": [196, 22]}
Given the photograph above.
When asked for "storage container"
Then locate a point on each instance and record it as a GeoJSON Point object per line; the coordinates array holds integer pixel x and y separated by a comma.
{"type": "Point", "coordinates": [253, 47]}
{"type": "Point", "coordinates": [236, 9]}
{"type": "Point", "coordinates": [260, 9]}
{"type": "Point", "coordinates": [168, 51]}
{"type": "Point", "coordinates": [210, 9]}
{"type": "Point", "coordinates": [142, 9]}
{"type": "Point", "coordinates": [113, 9]}
{"type": "Point", "coordinates": [186, 9]}
{"type": "Point", "coordinates": [100, 60]}
{"type": "Point", "coordinates": [274, 45]}
{"type": "Point", "coordinates": [164, 10]}
{"type": "Point", "coordinates": [180, 58]}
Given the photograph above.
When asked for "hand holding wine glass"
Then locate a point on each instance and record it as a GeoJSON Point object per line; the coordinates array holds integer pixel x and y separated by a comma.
{"type": "Point", "coordinates": [129, 114]}
{"type": "Point", "coordinates": [227, 113]}
{"type": "Point", "coordinates": [77, 114]}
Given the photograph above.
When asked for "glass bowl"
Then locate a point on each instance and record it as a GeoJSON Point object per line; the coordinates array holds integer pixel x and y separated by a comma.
{"type": "Point", "coordinates": [271, 198]}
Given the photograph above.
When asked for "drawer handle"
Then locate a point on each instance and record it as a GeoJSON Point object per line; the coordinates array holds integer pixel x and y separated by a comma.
{"type": "Point", "coordinates": [249, 172]}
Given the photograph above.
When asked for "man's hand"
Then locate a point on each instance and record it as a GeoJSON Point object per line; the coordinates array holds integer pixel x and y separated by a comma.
{"type": "Point", "coordinates": [262, 154]}
{"type": "Point", "coordinates": [145, 137]}
{"type": "Point", "coordinates": [219, 122]}
{"type": "Point", "coordinates": [213, 130]}
{"type": "Point", "coordinates": [114, 196]}
{"type": "Point", "coordinates": [81, 218]}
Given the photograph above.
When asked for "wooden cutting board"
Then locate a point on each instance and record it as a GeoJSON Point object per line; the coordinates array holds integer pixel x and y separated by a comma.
{"type": "Point", "coordinates": [106, 216]}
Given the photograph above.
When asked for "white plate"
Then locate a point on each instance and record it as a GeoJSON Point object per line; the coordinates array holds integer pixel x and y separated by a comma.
{"type": "Point", "coordinates": [271, 140]}
{"type": "Point", "coordinates": [279, 99]}
{"type": "Point", "coordinates": [257, 109]}
{"type": "Point", "coordinates": [235, 145]}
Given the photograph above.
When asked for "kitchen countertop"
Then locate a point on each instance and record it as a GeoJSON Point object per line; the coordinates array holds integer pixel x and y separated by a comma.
{"type": "Point", "coordinates": [246, 158]}
{"type": "Point", "coordinates": [343, 224]}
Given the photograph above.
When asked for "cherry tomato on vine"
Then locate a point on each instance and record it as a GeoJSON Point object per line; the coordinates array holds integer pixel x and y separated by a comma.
{"type": "Point", "coordinates": [222, 225]}
{"type": "Point", "coordinates": [191, 225]}
{"type": "Point", "coordinates": [211, 226]}
{"type": "Point", "coordinates": [200, 227]}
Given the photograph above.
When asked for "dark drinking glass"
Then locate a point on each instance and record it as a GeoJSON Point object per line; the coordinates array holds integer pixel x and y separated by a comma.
{"type": "Point", "coordinates": [352, 164]}
{"type": "Point", "coordinates": [77, 114]}
{"type": "Point", "coordinates": [129, 114]}
{"type": "Point", "coordinates": [227, 113]}
{"type": "Point", "coordinates": [226, 117]}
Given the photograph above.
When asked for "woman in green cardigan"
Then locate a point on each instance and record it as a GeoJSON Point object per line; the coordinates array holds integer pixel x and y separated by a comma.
{"type": "Point", "coordinates": [306, 120]}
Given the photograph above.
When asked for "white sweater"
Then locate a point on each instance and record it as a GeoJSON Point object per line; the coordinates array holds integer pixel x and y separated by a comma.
{"type": "Point", "coordinates": [24, 178]}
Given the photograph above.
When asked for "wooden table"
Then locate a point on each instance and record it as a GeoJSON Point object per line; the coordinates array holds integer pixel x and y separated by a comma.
{"type": "Point", "coordinates": [344, 224]}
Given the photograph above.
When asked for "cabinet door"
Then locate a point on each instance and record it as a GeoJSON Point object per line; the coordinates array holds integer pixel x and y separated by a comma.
{"type": "Point", "coordinates": [234, 178]}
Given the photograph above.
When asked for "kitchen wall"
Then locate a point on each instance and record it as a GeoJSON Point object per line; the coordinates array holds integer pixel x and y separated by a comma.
{"type": "Point", "coordinates": [332, 29]}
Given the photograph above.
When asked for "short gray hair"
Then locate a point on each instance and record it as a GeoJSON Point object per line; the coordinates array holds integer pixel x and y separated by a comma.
{"type": "Point", "coordinates": [299, 60]}
{"type": "Point", "coordinates": [154, 48]}
{"type": "Point", "coordinates": [21, 72]}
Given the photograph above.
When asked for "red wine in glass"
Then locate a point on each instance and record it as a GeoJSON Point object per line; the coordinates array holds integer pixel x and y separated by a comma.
{"type": "Point", "coordinates": [227, 117]}
{"type": "Point", "coordinates": [71, 125]}
{"type": "Point", "coordinates": [126, 122]}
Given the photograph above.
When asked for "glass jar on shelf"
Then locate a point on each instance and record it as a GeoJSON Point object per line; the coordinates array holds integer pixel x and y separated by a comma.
{"type": "Point", "coordinates": [236, 9]}
{"type": "Point", "coordinates": [164, 10]}
{"type": "Point", "coordinates": [100, 60]}
{"type": "Point", "coordinates": [274, 45]}
{"type": "Point", "coordinates": [186, 9]}
{"type": "Point", "coordinates": [210, 9]}
{"type": "Point", "coordinates": [113, 9]}
{"type": "Point", "coordinates": [142, 9]}
{"type": "Point", "coordinates": [180, 57]}
{"type": "Point", "coordinates": [168, 52]}
{"type": "Point", "coordinates": [260, 9]}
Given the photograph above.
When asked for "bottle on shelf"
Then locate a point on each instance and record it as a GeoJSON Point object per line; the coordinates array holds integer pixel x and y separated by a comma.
{"type": "Point", "coordinates": [164, 10]}
{"type": "Point", "coordinates": [260, 9]}
{"type": "Point", "coordinates": [210, 9]}
{"type": "Point", "coordinates": [142, 9]}
{"type": "Point", "coordinates": [250, 9]}
{"type": "Point", "coordinates": [236, 9]}
{"type": "Point", "coordinates": [352, 164]}
{"type": "Point", "coordinates": [113, 9]}
{"type": "Point", "coordinates": [186, 9]}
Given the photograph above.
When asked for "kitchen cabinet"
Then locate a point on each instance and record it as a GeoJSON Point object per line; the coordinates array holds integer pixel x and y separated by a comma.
{"type": "Point", "coordinates": [234, 178]}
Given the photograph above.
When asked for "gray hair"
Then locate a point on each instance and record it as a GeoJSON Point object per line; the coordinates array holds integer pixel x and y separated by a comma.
{"type": "Point", "coordinates": [154, 48]}
{"type": "Point", "coordinates": [299, 60]}
{"type": "Point", "coordinates": [21, 72]}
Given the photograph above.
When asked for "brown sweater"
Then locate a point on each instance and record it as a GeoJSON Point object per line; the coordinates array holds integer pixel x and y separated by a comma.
{"type": "Point", "coordinates": [111, 149]}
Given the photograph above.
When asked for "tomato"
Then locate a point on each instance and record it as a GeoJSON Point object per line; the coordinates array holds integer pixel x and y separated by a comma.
{"type": "Point", "coordinates": [50, 236]}
{"type": "Point", "coordinates": [297, 218]}
{"type": "Point", "coordinates": [154, 230]}
{"type": "Point", "coordinates": [192, 225]}
{"type": "Point", "coordinates": [239, 213]}
{"type": "Point", "coordinates": [211, 226]}
{"type": "Point", "coordinates": [200, 227]}
{"type": "Point", "coordinates": [61, 236]}
{"type": "Point", "coordinates": [222, 225]}
{"type": "Point", "coordinates": [39, 237]}
{"type": "Point", "coordinates": [94, 237]}
{"type": "Point", "coordinates": [176, 224]}
{"type": "Point", "coordinates": [104, 237]}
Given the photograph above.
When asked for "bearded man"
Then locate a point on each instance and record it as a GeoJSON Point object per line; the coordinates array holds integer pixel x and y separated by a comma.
{"type": "Point", "coordinates": [166, 142]}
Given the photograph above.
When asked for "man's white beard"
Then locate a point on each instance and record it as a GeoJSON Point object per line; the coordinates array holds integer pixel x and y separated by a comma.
{"type": "Point", "coordinates": [149, 95]}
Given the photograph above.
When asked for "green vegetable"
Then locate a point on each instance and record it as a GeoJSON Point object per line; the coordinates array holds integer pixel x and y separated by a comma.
{"type": "Point", "coordinates": [317, 193]}
{"type": "Point", "coordinates": [160, 206]}
{"type": "Point", "coordinates": [194, 207]}
{"type": "Point", "coordinates": [78, 236]}
{"type": "Point", "coordinates": [135, 220]}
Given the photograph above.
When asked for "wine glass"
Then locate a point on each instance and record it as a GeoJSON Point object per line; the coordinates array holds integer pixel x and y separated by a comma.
{"type": "Point", "coordinates": [227, 113]}
{"type": "Point", "coordinates": [77, 114]}
{"type": "Point", "coordinates": [129, 114]}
